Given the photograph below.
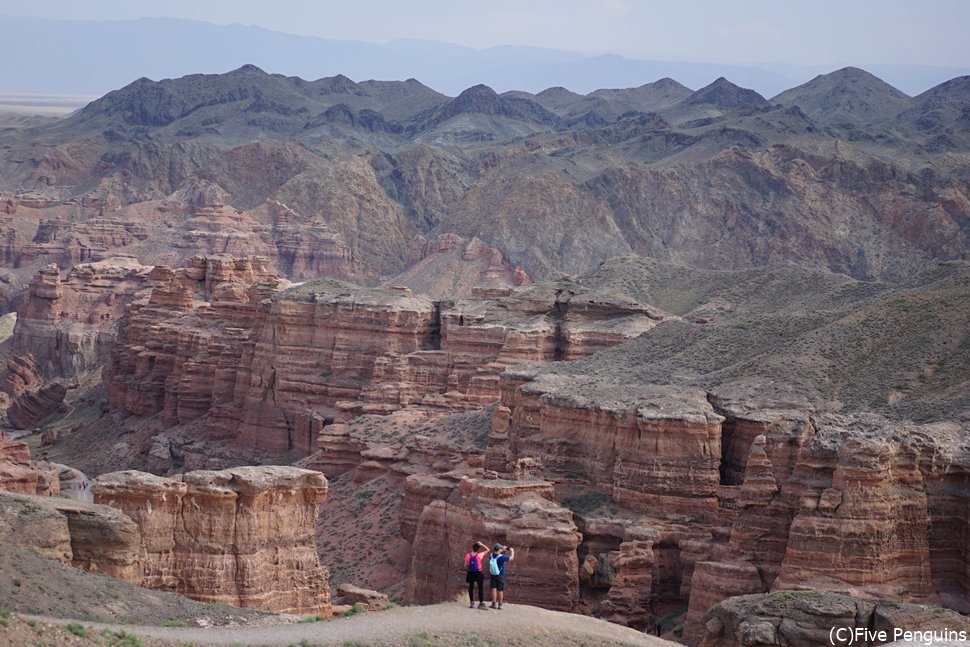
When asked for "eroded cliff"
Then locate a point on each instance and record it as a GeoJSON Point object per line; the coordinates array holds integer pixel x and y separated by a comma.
{"type": "Point", "coordinates": [242, 537]}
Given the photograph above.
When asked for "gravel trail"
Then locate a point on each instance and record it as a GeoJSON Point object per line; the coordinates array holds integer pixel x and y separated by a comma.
{"type": "Point", "coordinates": [449, 623]}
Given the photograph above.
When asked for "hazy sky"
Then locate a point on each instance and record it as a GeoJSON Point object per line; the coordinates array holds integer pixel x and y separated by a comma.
{"type": "Point", "coordinates": [815, 32]}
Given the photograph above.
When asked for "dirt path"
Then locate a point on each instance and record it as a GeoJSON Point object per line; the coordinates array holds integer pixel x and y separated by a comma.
{"type": "Point", "coordinates": [449, 623]}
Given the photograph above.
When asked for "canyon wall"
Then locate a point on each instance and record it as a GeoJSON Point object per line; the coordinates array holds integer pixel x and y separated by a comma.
{"type": "Point", "coordinates": [660, 491]}
{"type": "Point", "coordinates": [271, 367]}
{"type": "Point", "coordinates": [17, 473]}
{"type": "Point", "coordinates": [67, 324]}
{"type": "Point", "coordinates": [520, 514]}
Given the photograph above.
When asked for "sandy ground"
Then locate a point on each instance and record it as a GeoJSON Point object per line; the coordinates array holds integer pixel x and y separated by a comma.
{"type": "Point", "coordinates": [448, 624]}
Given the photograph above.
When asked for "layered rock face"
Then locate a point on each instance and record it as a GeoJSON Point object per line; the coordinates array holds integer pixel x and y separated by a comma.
{"type": "Point", "coordinates": [869, 525]}
{"type": "Point", "coordinates": [184, 341]}
{"type": "Point", "coordinates": [520, 514]}
{"type": "Point", "coordinates": [242, 536]}
{"type": "Point", "coordinates": [848, 504]}
{"type": "Point", "coordinates": [17, 474]}
{"type": "Point", "coordinates": [68, 324]}
{"type": "Point", "coordinates": [648, 448]}
{"type": "Point", "coordinates": [807, 618]}
{"type": "Point", "coordinates": [271, 372]}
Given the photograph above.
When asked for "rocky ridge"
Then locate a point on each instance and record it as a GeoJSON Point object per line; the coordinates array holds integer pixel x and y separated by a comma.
{"type": "Point", "coordinates": [555, 181]}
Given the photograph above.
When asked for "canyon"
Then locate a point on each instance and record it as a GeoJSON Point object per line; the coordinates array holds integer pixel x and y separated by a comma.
{"type": "Point", "coordinates": [697, 356]}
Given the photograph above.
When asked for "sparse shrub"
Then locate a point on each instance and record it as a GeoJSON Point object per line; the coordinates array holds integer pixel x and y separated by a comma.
{"type": "Point", "coordinates": [354, 610]}
{"type": "Point", "coordinates": [421, 640]}
{"type": "Point", "coordinates": [173, 623]}
{"type": "Point", "coordinates": [77, 629]}
{"type": "Point", "coordinates": [313, 619]}
{"type": "Point", "coordinates": [121, 639]}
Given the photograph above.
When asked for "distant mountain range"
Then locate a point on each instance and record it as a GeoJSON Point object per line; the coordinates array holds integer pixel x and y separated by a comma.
{"type": "Point", "coordinates": [844, 171]}
{"type": "Point", "coordinates": [247, 104]}
{"type": "Point", "coordinates": [93, 57]}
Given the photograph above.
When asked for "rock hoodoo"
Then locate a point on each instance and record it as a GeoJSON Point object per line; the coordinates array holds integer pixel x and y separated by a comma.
{"type": "Point", "coordinates": [242, 536]}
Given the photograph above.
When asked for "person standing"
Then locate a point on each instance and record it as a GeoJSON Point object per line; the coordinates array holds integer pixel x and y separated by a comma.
{"type": "Point", "coordinates": [474, 574]}
{"type": "Point", "coordinates": [496, 568]}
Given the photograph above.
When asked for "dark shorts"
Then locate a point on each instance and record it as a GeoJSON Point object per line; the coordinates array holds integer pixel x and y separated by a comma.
{"type": "Point", "coordinates": [473, 576]}
{"type": "Point", "coordinates": [496, 582]}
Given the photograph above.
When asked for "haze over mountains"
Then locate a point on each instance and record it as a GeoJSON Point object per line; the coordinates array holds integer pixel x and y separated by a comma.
{"type": "Point", "coordinates": [94, 57]}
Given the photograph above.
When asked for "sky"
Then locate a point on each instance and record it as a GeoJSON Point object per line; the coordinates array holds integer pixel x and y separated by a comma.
{"type": "Point", "coordinates": [819, 32]}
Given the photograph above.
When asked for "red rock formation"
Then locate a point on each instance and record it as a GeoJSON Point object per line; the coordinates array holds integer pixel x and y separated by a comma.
{"type": "Point", "coordinates": [856, 505]}
{"type": "Point", "coordinates": [515, 513]}
{"type": "Point", "coordinates": [186, 340]}
{"type": "Point", "coordinates": [271, 372]}
{"type": "Point", "coordinates": [33, 407]}
{"type": "Point", "coordinates": [713, 582]}
{"type": "Point", "coordinates": [69, 324]}
{"type": "Point", "coordinates": [866, 525]}
{"type": "Point", "coordinates": [21, 375]}
{"type": "Point", "coordinates": [17, 474]}
{"type": "Point", "coordinates": [242, 536]}
{"type": "Point", "coordinates": [650, 448]}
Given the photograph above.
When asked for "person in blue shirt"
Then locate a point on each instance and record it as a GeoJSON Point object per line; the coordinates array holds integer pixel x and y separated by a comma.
{"type": "Point", "coordinates": [497, 559]}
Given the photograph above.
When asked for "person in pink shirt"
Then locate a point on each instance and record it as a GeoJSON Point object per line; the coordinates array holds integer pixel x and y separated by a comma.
{"type": "Point", "coordinates": [475, 575]}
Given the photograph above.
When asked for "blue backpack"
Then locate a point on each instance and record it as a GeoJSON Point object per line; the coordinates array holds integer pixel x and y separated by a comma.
{"type": "Point", "coordinates": [493, 567]}
{"type": "Point", "coordinates": [474, 564]}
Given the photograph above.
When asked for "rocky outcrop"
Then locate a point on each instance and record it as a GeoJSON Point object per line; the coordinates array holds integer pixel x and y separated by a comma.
{"type": "Point", "coordinates": [867, 524]}
{"type": "Point", "coordinates": [182, 346]}
{"type": "Point", "coordinates": [450, 266]}
{"type": "Point", "coordinates": [93, 537]}
{"type": "Point", "coordinates": [68, 324]}
{"type": "Point", "coordinates": [520, 514]}
{"type": "Point", "coordinates": [242, 536]}
{"type": "Point", "coordinates": [650, 448]}
{"type": "Point", "coordinates": [807, 618]}
{"type": "Point", "coordinates": [17, 474]}
{"type": "Point", "coordinates": [33, 407]}
{"type": "Point", "coordinates": [370, 600]}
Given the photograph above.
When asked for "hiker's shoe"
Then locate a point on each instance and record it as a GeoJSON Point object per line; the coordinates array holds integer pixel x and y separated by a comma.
{"type": "Point", "coordinates": [471, 605]}
{"type": "Point", "coordinates": [500, 607]}
{"type": "Point", "coordinates": [481, 605]}
{"type": "Point", "coordinates": [492, 606]}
